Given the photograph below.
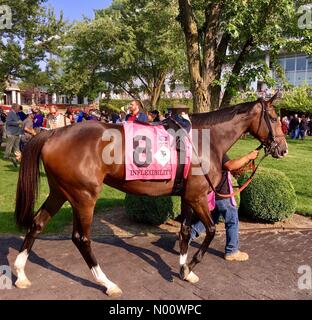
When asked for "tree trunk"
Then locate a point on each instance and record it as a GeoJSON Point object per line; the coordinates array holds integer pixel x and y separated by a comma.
{"type": "Point", "coordinates": [232, 83]}
{"type": "Point", "coordinates": [203, 70]}
{"type": "Point", "coordinates": [201, 98]}
{"type": "Point", "coordinates": [156, 90]}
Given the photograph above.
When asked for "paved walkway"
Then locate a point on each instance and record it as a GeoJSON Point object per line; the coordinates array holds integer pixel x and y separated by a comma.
{"type": "Point", "coordinates": [146, 268]}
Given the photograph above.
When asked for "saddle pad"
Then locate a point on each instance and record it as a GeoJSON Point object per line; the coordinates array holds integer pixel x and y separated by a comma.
{"type": "Point", "coordinates": [150, 153]}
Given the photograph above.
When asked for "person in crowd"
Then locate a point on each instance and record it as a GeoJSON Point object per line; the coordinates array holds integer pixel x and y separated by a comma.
{"type": "Point", "coordinates": [122, 116]}
{"type": "Point", "coordinates": [284, 125]}
{"type": "Point", "coordinates": [135, 114]}
{"type": "Point", "coordinates": [13, 130]}
{"type": "Point", "coordinates": [38, 118]}
{"type": "Point", "coordinates": [28, 130]}
{"type": "Point", "coordinates": [310, 127]}
{"type": "Point", "coordinates": [21, 113]}
{"type": "Point", "coordinates": [114, 117]}
{"type": "Point", "coordinates": [153, 116]}
{"type": "Point", "coordinates": [2, 124]}
{"type": "Point", "coordinates": [294, 127]}
{"type": "Point", "coordinates": [303, 127]}
{"type": "Point", "coordinates": [227, 208]}
{"type": "Point", "coordinates": [1, 130]}
{"type": "Point", "coordinates": [179, 113]}
{"type": "Point", "coordinates": [81, 116]}
{"type": "Point", "coordinates": [56, 120]}
{"type": "Point", "coordinates": [70, 115]}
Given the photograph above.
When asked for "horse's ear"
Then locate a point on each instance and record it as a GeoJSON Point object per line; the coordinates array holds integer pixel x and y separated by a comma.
{"type": "Point", "coordinates": [271, 101]}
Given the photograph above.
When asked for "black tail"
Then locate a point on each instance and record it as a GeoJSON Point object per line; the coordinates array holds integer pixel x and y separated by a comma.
{"type": "Point", "coordinates": [28, 180]}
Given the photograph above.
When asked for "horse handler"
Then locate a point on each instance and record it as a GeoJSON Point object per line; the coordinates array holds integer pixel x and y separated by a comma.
{"type": "Point", "coordinates": [227, 208]}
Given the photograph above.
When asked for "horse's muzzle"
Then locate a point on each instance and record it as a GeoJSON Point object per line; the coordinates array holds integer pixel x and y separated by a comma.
{"type": "Point", "coordinates": [279, 149]}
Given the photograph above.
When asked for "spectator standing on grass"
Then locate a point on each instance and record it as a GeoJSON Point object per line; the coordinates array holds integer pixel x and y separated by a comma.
{"type": "Point", "coordinates": [28, 130]}
{"type": "Point", "coordinates": [303, 127]}
{"type": "Point", "coordinates": [294, 127]}
{"type": "Point", "coordinates": [153, 116]}
{"type": "Point", "coordinates": [56, 120]}
{"type": "Point", "coordinates": [135, 113]}
{"type": "Point", "coordinates": [285, 125]}
{"type": "Point", "coordinates": [38, 118]}
{"type": "Point", "coordinates": [21, 113]}
{"type": "Point", "coordinates": [13, 129]}
{"type": "Point", "coordinates": [1, 130]}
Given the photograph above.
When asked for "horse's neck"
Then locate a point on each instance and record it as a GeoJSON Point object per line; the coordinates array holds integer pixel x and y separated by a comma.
{"type": "Point", "coordinates": [225, 134]}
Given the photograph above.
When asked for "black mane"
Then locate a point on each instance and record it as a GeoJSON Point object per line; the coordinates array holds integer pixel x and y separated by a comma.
{"type": "Point", "coordinates": [222, 115]}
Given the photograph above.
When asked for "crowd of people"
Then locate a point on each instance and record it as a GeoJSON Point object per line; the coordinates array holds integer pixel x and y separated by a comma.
{"type": "Point", "coordinates": [297, 127]}
{"type": "Point", "coordinates": [19, 127]}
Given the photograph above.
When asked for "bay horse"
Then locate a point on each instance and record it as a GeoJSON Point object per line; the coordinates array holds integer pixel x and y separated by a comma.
{"type": "Point", "coordinates": [75, 170]}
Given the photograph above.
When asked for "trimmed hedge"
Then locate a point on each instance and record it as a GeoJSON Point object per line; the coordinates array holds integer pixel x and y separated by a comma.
{"type": "Point", "coordinates": [150, 210]}
{"type": "Point", "coordinates": [270, 197]}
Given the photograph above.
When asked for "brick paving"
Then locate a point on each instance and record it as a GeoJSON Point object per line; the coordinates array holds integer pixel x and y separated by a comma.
{"type": "Point", "coordinates": [147, 268]}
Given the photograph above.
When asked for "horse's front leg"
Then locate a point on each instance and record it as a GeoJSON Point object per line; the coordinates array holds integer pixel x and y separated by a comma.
{"type": "Point", "coordinates": [185, 235]}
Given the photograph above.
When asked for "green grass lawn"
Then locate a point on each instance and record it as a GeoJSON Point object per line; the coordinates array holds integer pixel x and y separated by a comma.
{"type": "Point", "coordinates": [297, 166]}
{"type": "Point", "coordinates": [8, 179]}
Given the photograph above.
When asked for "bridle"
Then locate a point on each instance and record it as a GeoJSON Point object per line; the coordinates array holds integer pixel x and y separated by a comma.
{"type": "Point", "coordinates": [270, 144]}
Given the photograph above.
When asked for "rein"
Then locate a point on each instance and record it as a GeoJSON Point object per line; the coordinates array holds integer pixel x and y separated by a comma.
{"type": "Point", "coordinates": [245, 185]}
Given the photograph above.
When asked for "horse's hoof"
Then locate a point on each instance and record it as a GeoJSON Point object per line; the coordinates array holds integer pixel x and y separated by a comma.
{"type": "Point", "coordinates": [192, 278]}
{"type": "Point", "coordinates": [23, 284]}
{"type": "Point", "coordinates": [114, 292]}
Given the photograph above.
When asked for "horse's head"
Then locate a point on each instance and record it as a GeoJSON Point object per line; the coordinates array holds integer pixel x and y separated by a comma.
{"type": "Point", "coordinates": [268, 129]}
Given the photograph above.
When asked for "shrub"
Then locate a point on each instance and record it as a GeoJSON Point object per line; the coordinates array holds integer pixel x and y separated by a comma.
{"type": "Point", "coordinates": [151, 210]}
{"type": "Point", "coordinates": [269, 197]}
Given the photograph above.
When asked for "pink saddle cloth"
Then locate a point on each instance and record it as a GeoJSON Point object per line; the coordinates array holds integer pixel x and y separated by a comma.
{"type": "Point", "coordinates": [211, 200]}
{"type": "Point", "coordinates": [150, 153]}
{"type": "Point", "coordinates": [212, 196]}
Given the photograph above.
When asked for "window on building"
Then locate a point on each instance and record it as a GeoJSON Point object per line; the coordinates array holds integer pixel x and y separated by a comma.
{"type": "Point", "coordinates": [301, 63]}
{"type": "Point", "coordinates": [290, 64]}
{"type": "Point", "coordinates": [309, 63]}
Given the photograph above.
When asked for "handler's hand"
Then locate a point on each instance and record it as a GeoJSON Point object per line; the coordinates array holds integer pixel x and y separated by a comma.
{"type": "Point", "coordinates": [253, 155]}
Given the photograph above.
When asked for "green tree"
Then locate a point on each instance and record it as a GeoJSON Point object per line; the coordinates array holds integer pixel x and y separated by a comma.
{"type": "Point", "coordinates": [298, 99]}
{"type": "Point", "coordinates": [132, 46]}
{"type": "Point", "coordinates": [245, 29]}
{"type": "Point", "coordinates": [34, 31]}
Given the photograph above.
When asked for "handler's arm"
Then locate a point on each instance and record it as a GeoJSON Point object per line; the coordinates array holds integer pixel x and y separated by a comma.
{"type": "Point", "coordinates": [236, 164]}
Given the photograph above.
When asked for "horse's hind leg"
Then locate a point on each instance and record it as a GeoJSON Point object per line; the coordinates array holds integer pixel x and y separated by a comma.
{"type": "Point", "coordinates": [50, 207]}
{"type": "Point", "coordinates": [81, 237]}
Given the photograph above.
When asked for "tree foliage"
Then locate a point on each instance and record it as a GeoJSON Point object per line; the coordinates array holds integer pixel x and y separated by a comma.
{"type": "Point", "coordinates": [132, 46]}
{"type": "Point", "coordinates": [35, 31]}
{"type": "Point", "coordinates": [297, 99]}
{"type": "Point", "coordinates": [236, 34]}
